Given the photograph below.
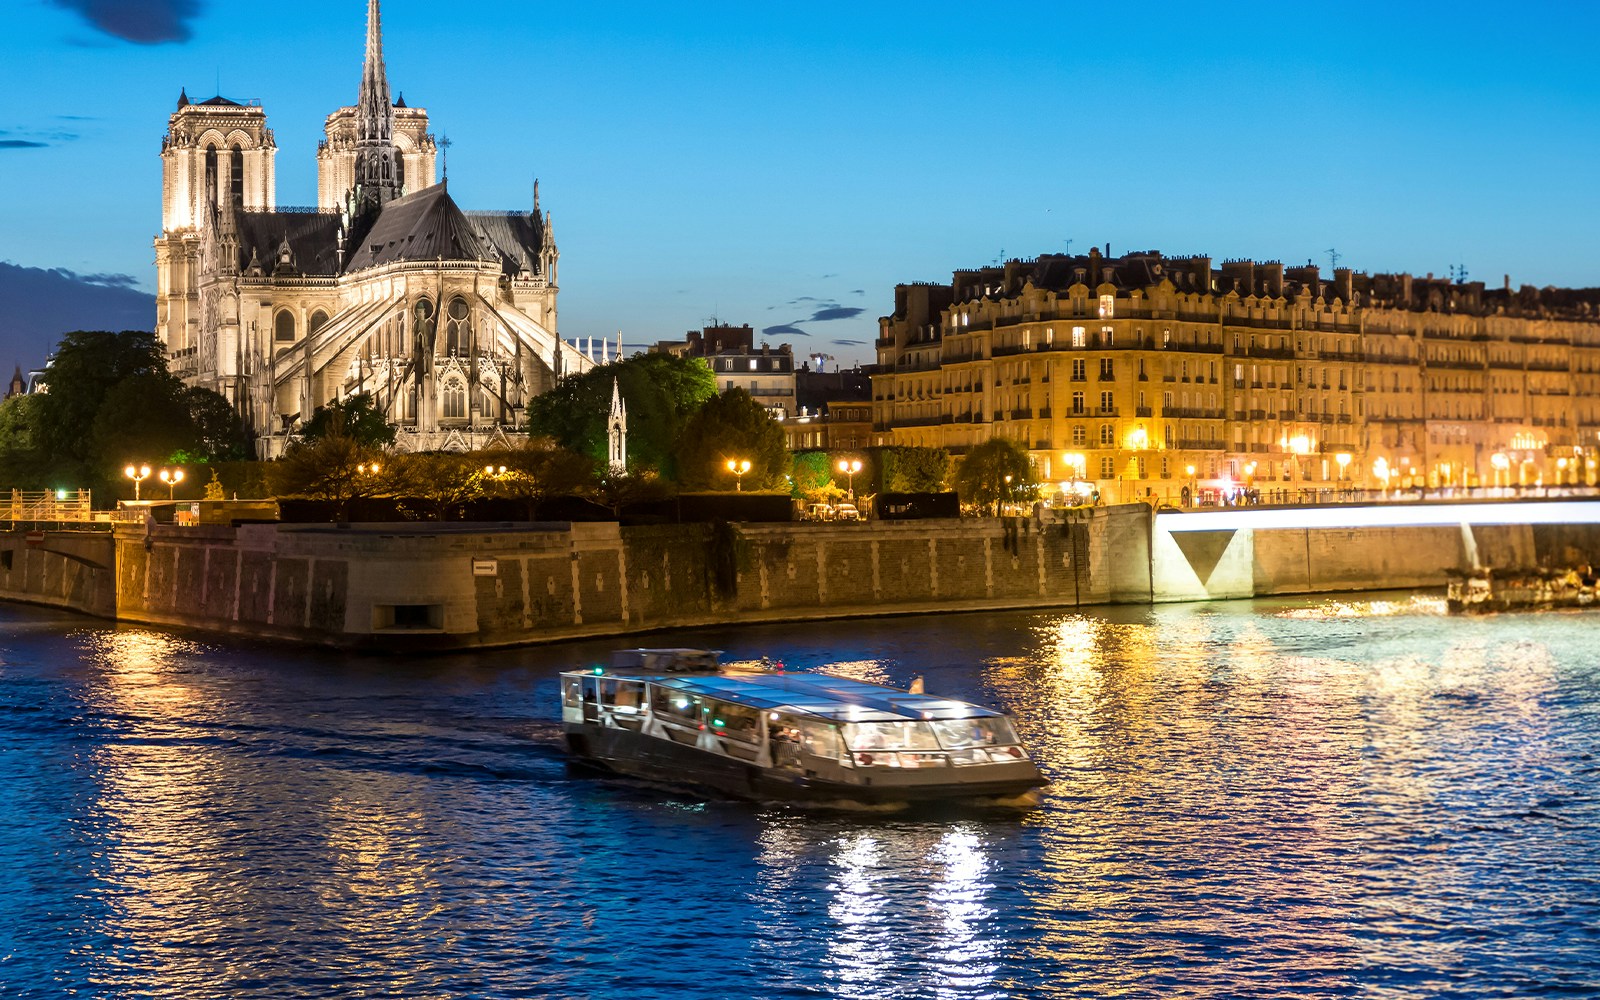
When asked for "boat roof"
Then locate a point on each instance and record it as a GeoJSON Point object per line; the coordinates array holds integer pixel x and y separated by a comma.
{"type": "Point", "coordinates": [840, 699]}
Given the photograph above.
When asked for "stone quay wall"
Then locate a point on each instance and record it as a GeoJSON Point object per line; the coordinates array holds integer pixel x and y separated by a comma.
{"type": "Point", "coordinates": [476, 585]}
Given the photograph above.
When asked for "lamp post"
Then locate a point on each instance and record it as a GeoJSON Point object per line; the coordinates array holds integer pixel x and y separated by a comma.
{"type": "Point", "coordinates": [137, 473]}
{"type": "Point", "coordinates": [850, 467]}
{"type": "Point", "coordinates": [1194, 488]}
{"type": "Point", "coordinates": [172, 477]}
{"type": "Point", "coordinates": [738, 466]}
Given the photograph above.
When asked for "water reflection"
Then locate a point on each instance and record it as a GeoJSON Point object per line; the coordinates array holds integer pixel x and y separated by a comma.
{"type": "Point", "coordinates": [1315, 798]}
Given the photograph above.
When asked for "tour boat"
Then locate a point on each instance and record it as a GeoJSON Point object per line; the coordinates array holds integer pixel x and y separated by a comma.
{"type": "Point", "coordinates": [681, 717]}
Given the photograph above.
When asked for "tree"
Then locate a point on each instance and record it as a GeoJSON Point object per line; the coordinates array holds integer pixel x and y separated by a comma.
{"type": "Point", "coordinates": [356, 417]}
{"type": "Point", "coordinates": [731, 426]}
{"type": "Point", "coordinates": [661, 391]}
{"type": "Point", "coordinates": [914, 470]}
{"type": "Point", "coordinates": [811, 476]}
{"type": "Point", "coordinates": [444, 480]}
{"type": "Point", "coordinates": [219, 431]}
{"type": "Point", "coordinates": [536, 472]}
{"type": "Point", "coordinates": [143, 418]}
{"type": "Point", "coordinates": [24, 463]}
{"type": "Point", "coordinates": [335, 467]}
{"type": "Point", "coordinates": [87, 365]}
{"type": "Point", "coordinates": [998, 470]}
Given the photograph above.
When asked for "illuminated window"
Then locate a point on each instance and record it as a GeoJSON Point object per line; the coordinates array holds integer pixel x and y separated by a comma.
{"type": "Point", "coordinates": [1078, 336]}
{"type": "Point", "coordinates": [1108, 306]}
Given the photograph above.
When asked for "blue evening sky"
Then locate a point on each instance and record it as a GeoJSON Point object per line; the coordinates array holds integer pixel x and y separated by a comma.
{"type": "Point", "coordinates": [773, 163]}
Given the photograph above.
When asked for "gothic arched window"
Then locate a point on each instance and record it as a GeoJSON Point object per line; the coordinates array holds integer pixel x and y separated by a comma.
{"type": "Point", "coordinates": [456, 329]}
{"type": "Point", "coordinates": [453, 399]}
{"type": "Point", "coordinates": [211, 174]}
{"type": "Point", "coordinates": [319, 319]}
{"type": "Point", "coordinates": [283, 326]}
{"type": "Point", "coordinates": [237, 180]}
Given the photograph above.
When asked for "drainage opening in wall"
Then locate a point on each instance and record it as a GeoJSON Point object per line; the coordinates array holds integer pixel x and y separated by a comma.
{"type": "Point", "coordinates": [408, 617]}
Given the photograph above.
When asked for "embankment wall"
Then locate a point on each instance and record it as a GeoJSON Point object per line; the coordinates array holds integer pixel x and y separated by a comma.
{"type": "Point", "coordinates": [415, 586]}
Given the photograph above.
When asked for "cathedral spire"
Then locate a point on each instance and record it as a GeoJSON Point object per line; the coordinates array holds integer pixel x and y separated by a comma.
{"type": "Point", "coordinates": [379, 177]}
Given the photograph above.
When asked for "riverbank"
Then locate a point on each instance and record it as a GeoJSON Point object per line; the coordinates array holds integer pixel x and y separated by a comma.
{"type": "Point", "coordinates": [432, 586]}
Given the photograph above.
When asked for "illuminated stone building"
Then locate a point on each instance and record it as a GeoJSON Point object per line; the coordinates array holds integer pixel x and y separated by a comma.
{"type": "Point", "coordinates": [447, 317]}
{"type": "Point", "coordinates": [767, 374]}
{"type": "Point", "coordinates": [1132, 371]}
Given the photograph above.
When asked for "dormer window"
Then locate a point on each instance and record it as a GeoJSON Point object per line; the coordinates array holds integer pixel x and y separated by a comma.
{"type": "Point", "coordinates": [1108, 306]}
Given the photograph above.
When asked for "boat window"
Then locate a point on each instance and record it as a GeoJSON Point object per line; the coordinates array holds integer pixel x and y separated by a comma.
{"type": "Point", "coordinates": [623, 696]}
{"type": "Point", "coordinates": [889, 736]}
{"type": "Point", "coordinates": [675, 706]}
{"type": "Point", "coordinates": [728, 719]}
{"type": "Point", "coordinates": [958, 734]}
{"type": "Point", "coordinates": [571, 691]}
{"type": "Point", "coordinates": [817, 738]}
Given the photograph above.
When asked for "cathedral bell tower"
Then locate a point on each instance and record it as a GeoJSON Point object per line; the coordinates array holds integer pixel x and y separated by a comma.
{"type": "Point", "coordinates": [377, 170]}
{"type": "Point", "coordinates": [217, 154]}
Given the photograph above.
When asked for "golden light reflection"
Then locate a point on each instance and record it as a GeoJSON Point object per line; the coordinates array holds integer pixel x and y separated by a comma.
{"type": "Point", "coordinates": [871, 671]}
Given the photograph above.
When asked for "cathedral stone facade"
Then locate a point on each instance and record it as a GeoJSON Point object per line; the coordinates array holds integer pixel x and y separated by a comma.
{"type": "Point", "coordinates": [446, 317]}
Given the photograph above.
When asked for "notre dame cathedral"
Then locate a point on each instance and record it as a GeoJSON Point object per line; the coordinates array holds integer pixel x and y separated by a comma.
{"type": "Point", "coordinates": [446, 317]}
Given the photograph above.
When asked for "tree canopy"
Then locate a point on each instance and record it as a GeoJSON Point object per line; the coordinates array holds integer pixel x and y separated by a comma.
{"type": "Point", "coordinates": [356, 417]}
{"type": "Point", "coordinates": [660, 391]}
{"type": "Point", "coordinates": [732, 426]}
{"type": "Point", "coordinates": [112, 401]}
{"type": "Point", "coordinates": [998, 470]}
{"type": "Point", "coordinates": [914, 470]}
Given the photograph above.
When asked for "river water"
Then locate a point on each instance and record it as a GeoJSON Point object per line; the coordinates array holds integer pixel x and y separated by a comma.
{"type": "Point", "coordinates": [1251, 799]}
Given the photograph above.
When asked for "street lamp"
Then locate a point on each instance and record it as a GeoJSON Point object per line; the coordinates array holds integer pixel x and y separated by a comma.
{"type": "Point", "coordinates": [367, 468]}
{"type": "Point", "coordinates": [137, 473]}
{"type": "Point", "coordinates": [172, 477]}
{"type": "Point", "coordinates": [850, 467]}
{"type": "Point", "coordinates": [738, 466]}
{"type": "Point", "coordinates": [1343, 458]}
{"type": "Point", "coordinates": [1194, 488]}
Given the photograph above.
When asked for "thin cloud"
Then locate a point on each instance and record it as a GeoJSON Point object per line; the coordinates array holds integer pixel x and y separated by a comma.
{"type": "Point", "coordinates": [103, 280]}
{"type": "Point", "coordinates": [22, 144]}
{"type": "Point", "coordinates": [143, 22]}
{"type": "Point", "coordinates": [834, 312]}
{"type": "Point", "coordinates": [787, 329]}
{"type": "Point", "coordinates": [847, 343]}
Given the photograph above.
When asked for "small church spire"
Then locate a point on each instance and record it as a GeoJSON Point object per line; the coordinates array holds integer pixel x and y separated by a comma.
{"type": "Point", "coordinates": [617, 431]}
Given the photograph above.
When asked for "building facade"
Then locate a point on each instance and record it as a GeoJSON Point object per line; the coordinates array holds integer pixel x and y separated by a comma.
{"type": "Point", "coordinates": [766, 373]}
{"type": "Point", "coordinates": [1147, 375]}
{"type": "Point", "coordinates": [446, 317]}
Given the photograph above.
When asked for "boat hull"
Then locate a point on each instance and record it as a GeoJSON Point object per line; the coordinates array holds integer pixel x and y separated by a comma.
{"type": "Point", "coordinates": [636, 755]}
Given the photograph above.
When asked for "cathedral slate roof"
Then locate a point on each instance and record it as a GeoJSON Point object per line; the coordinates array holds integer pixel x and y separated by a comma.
{"type": "Point", "coordinates": [517, 238]}
{"type": "Point", "coordinates": [313, 239]}
{"type": "Point", "coordinates": [424, 226]}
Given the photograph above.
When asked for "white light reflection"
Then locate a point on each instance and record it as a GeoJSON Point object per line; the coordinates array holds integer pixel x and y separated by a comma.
{"type": "Point", "coordinates": [860, 953]}
{"type": "Point", "coordinates": [964, 957]}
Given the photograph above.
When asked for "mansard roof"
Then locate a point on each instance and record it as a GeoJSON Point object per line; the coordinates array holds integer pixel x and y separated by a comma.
{"type": "Point", "coordinates": [424, 226]}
